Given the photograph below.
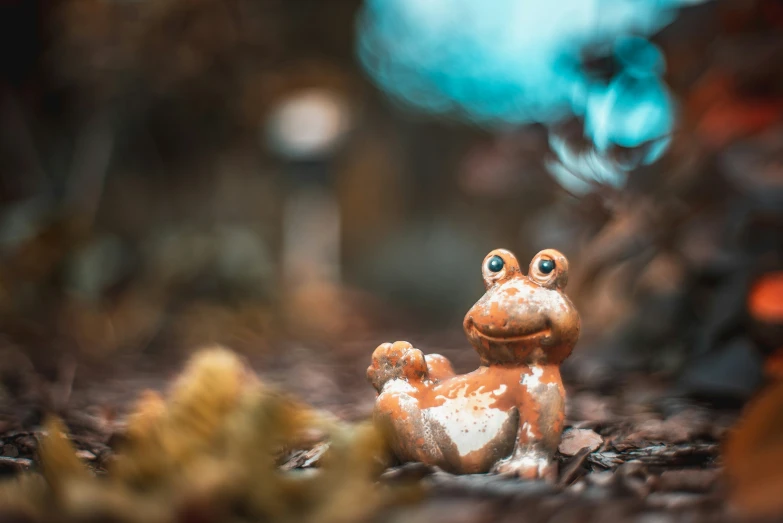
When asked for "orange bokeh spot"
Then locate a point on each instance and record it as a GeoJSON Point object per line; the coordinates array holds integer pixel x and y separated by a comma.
{"type": "Point", "coordinates": [765, 300]}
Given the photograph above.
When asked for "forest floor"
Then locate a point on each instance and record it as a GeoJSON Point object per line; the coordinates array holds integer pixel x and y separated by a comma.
{"type": "Point", "coordinates": [631, 452]}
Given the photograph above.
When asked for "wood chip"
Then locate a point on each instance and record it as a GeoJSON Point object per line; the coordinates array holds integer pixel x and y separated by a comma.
{"type": "Point", "coordinates": [18, 464]}
{"type": "Point", "coordinates": [575, 440]}
{"type": "Point", "coordinates": [695, 454]}
{"type": "Point", "coordinates": [407, 472]}
{"type": "Point", "coordinates": [606, 460]}
{"type": "Point", "coordinates": [85, 455]}
{"type": "Point", "coordinates": [575, 468]}
{"type": "Point", "coordinates": [302, 459]}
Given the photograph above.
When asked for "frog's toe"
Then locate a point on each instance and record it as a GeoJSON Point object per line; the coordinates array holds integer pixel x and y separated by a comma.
{"type": "Point", "coordinates": [399, 360]}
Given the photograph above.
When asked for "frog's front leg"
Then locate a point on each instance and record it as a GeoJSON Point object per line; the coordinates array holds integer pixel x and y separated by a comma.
{"type": "Point", "coordinates": [541, 421]}
{"type": "Point", "coordinates": [398, 360]}
{"type": "Point", "coordinates": [438, 367]}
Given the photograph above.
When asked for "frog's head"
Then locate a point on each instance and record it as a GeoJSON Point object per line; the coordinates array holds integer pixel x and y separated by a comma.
{"type": "Point", "coordinates": [523, 319]}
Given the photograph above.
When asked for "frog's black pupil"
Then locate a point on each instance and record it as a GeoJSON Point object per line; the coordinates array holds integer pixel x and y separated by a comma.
{"type": "Point", "coordinates": [495, 264]}
{"type": "Point", "coordinates": [546, 266]}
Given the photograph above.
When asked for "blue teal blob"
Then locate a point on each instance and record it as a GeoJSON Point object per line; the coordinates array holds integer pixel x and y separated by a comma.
{"type": "Point", "coordinates": [639, 57]}
{"type": "Point", "coordinates": [504, 62]}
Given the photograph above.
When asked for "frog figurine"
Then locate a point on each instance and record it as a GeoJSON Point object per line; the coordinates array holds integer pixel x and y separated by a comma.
{"type": "Point", "coordinates": [507, 416]}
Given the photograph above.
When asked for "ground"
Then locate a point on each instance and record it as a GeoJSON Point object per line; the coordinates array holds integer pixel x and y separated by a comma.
{"type": "Point", "coordinates": [630, 451]}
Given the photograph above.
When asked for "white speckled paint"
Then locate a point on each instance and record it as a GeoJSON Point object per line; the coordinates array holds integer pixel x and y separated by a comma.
{"type": "Point", "coordinates": [398, 385]}
{"type": "Point", "coordinates": [535, 298]}
{"type": "Point", "coordinates": [469, 428]}
{"type": "Point", "coordinates": [528, 431]}
{"type": "Point", "coordinates": [534, 461]}
{"type": "Point", "coordinates": [532, 380]}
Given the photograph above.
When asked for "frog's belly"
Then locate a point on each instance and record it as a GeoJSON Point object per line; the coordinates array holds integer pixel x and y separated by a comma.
{"type": "Point", "coordinates": [458, 431]}
{"type": "Point", "coordinates": [470, 433]}
{"type": "Point", "coordinates": [467, 430]}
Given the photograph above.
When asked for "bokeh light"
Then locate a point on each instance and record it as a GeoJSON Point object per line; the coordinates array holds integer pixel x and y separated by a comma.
{"type": "Point", "coordinates": [509, 62]}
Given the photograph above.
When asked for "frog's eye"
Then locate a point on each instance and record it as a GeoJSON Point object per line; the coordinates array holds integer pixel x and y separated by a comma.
{"type": "Point", "coordinates": [546, 266]}
{"type": "Point", "coordinates": [549, 269]}
{"type": "Point", "coordinates": [495, 264]}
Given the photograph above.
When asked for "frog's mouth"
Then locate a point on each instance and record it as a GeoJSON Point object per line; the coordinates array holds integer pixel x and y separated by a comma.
{"type": "Point", "coordinates": [543, 333]}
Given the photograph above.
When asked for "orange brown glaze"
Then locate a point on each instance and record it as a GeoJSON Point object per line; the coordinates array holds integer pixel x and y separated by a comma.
{"type": "Point", "coordinates": [507, 416]}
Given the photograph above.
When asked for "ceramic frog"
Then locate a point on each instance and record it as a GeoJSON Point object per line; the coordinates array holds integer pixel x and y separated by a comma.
{"type": "Point", "coordinates": [507, 416]}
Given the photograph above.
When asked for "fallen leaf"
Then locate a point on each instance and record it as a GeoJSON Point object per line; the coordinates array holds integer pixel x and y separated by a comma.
{"type": "Point", "coordinates": [575, 440]}
{"type": "Point", "coordinates": [753, 455]}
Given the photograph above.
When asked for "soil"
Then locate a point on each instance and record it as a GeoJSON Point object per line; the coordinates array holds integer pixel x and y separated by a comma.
{"type": "Point", "coordinates": [631, 452]}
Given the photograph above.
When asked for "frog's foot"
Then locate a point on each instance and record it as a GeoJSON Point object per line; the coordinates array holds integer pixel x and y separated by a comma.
{"type": "Point", "coordinates": [527, 466]}
{"type": "Point", "coordinates": [398, 360]}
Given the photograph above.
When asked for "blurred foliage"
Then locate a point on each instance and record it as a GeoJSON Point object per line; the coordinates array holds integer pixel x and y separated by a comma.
{"type": "Point", "coordinates": [209, 452]}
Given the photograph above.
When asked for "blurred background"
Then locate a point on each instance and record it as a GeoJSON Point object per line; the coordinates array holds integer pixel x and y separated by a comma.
{"type": "Point", "coordinates": [303, 180]}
